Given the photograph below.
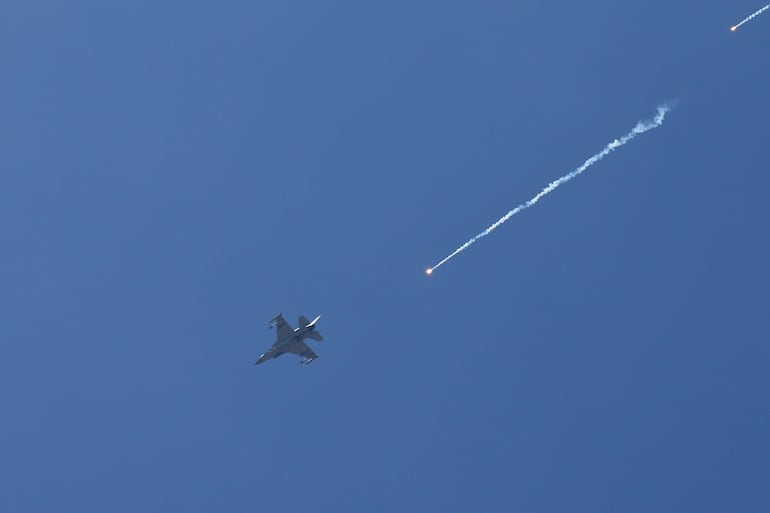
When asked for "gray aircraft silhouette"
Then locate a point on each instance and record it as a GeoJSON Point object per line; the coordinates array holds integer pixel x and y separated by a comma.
{"type": "Point", "coordinates": [291, 340]}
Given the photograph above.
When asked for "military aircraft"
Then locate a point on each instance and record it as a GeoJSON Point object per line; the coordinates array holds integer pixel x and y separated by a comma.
{"type": "Point", "coordinates": [291, 340]}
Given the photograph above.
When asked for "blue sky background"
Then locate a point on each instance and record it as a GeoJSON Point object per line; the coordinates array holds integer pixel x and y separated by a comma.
{"type": "Point", "coordinates": [173, 174]}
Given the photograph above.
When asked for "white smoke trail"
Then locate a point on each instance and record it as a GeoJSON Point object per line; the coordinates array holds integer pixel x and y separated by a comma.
{"type": "Point", "coordinates": [640, 128]}
{"type": "Point", "coordinates": [750, 17]}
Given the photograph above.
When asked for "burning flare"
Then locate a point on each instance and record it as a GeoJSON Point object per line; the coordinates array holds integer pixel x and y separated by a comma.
{"type": "Point", "coordinates": [640, 128]}
{"type": "Point", "coordinates": [750, 17]}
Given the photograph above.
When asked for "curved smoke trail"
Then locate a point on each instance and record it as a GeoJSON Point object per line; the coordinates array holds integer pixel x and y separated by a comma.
{"type": "Point", "coordinates": [640, 128]}
{"type": "Point", "coordinates": [750, 17]}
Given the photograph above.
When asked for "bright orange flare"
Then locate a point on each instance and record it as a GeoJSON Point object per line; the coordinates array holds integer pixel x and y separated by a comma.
{"type": "Point", "coordinates": [428, 270]}
{"type": "Point", "coordinates": [749, 17]}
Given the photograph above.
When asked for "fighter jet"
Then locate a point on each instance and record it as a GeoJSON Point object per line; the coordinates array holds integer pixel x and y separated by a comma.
{"type": "Point", "coordinates": [291, 340]}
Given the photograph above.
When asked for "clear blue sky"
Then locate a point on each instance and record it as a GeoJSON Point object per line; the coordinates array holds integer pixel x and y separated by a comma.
{"type": "Point", "coordinates": [172, 174]}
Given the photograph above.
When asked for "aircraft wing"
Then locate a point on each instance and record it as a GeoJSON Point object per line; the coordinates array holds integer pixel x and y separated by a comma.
{"type": "Point", "coordinates": [282, 328]}
{"type": "Point", "coordinates": [302, 349]}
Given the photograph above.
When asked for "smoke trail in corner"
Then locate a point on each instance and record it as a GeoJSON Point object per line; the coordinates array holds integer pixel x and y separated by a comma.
{"type": "Point", "coordinates": [750, 17]}
{"type": "Point", "coordinates": [640, 128]}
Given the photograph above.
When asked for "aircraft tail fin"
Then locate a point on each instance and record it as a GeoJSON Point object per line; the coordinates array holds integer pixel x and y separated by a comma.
{"type": "Point", "coordinates": [312, 332]}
